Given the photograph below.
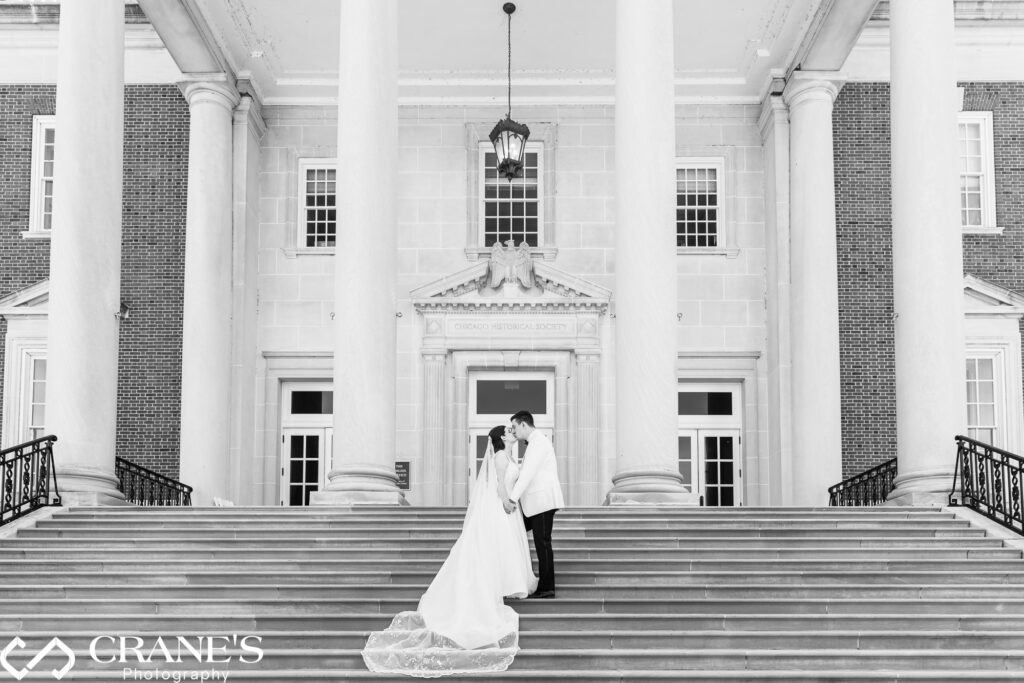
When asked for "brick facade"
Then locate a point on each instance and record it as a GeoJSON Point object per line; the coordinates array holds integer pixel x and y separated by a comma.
{"type": "Point", "coordinates": [863, 223]}
{"type": "Point", "coordinates": [152, 257]}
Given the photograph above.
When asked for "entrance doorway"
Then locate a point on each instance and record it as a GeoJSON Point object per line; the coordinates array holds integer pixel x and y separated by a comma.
{"type": "Point", "coordinates": [710, 442]}
{"type": "Point", "coordinates": [307, 439]}
{"type": "Point", "coordinates": [494, 396]}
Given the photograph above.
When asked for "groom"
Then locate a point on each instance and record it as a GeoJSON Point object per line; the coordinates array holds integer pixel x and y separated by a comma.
{"type": "Point", "coordinates": [541, 495]}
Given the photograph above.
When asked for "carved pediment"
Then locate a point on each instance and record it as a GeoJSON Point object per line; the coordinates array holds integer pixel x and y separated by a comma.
{"type": "Point", "coordinates": [31, 301]}
{"type": "Point", "coordinates": [986, 299]}
{"type": "Point", "coordinates": [502, 282]}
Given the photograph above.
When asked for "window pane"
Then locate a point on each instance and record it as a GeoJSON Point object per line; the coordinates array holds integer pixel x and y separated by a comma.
{"type": "Point", "coordinates": [686, 459]}
{"type": "Point", "coordinates": [705, 403]}
{"type": "Point", "coordinates": [505, 397]}
{"type": "Point", "coordinates": [312, 402]}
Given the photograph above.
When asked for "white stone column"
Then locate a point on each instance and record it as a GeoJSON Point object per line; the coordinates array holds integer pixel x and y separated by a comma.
{"type": "Point", "coordinates": [206, 341]}
{"type": "Point", "coordinates": [85, 251]}
{"type": "Point", "coordinates": [816, 460]}
{"type": "Point", "coordinates": [365, 263]}
{"type": "Point", "coordinates": [927, 251]}
{"type": "Point", "coordinates": [646, 469]}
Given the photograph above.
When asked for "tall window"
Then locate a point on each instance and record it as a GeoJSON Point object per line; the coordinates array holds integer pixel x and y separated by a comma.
{"type": "Point", "coordinates": [35, 396]}
{"type": "Point", "coordinates": [982, 407]}
{"type": "Point", "coordinates": [977, 181]}
{"type": "Point", "coordinates": [41, 212]}
{"type": "Point", "coordinates": [511, 210]}
{"type": "Point", "coordinates": [699, 203]}
{"type": "Point", "coordinates": [318, 211]}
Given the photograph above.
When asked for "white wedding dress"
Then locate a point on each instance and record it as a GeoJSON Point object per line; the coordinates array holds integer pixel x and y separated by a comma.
{"type": "Point", "coordinates": [461, 624]}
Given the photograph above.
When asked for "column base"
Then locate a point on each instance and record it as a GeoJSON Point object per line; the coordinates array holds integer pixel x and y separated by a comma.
{"type": "Point", "coordinates": [360, 486]}
{"type": "Point", "coordinates": [926, 488]}
{"type": "Point", "coordinates": [89, 487]}
{"type": "Point", "coordinates": [650, 487]}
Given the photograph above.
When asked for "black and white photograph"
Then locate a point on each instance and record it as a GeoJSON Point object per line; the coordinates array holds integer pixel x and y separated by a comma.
{"type": "Point", "coordinates": [560, 341]}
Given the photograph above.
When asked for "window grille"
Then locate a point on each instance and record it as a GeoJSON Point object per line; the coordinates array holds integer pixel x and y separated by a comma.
{"type": "Point", "coordinates": [511, 210]}
{"type": "Point", "coordinates": [698, 205]}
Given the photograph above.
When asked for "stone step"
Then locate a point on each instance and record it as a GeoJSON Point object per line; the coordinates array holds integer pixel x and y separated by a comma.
{"type": "Point", "coordinates": [278, 591]}
{"type": "Point", "coordinates": [97, 561]}
{"type": "Point", "coordinates": [388, 605]}
{"type": "Point", "coordinates": [603, 639]}
{"type": "Point", "coordinates": [41, 538]}
{"type": "Point", "coordinates": [302, 556]}
{"type": "Point", "coordinates": [450, 534]}
{"type": "Point", "coordinates": [104, 575]}
{"type": "Point", "coordinates": [696, 620]}
{"type": "Point", "coordinates": [930, 526]}
{"type": "Point", "coordinates": [668, 659]}
{"type": "Point", "coordinates": [597, 510]}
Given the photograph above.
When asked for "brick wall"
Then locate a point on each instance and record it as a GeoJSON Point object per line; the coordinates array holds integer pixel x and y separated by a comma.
{"type": "Point", "coordinates": [152, 276]}
{"type": "Point", "coordinates": [152, 265]}
{"type": "Point", "coordinates": [863, 222]}
{"type": "Point", "coordinates": [22, 262]}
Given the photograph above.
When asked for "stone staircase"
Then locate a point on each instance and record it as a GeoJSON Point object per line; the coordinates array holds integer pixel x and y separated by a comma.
{"type": "Point", "coordinates": [748, 594]}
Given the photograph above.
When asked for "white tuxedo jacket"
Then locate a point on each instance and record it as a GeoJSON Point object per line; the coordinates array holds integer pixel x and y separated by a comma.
{"type": "Point", "coordinates": [538, 487]}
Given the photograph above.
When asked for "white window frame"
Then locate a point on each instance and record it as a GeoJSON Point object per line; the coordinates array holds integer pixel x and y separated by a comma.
{"type": "Point", "coordinates": [717, 163]}
{"type": "Point", "coordinates": [482, 150]}
{"type": "Point", "coordinates": [307, 164]}
{"type": "Point", "coordinates": [999, 426]}
{"type": "Point", "coordinates": [27, 381]}
{"type": "Point", "coordinates": [988, 176]}
{"type": "Point", "coordinates": [40, 124]}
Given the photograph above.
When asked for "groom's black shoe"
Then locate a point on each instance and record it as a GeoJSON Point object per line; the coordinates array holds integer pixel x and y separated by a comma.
{"type": "Point", "coordinates": [541, 594]}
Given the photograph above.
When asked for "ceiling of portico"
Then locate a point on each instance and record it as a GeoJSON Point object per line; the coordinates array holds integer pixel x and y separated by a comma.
{"type": "Point", "coordinates": [563, 50]}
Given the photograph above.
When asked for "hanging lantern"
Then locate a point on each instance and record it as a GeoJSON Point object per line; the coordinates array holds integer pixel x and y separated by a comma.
{"type": "Point", "coordinates": [508, 137]}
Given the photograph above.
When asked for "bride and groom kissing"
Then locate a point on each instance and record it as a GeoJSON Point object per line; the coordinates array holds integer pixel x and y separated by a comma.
{"type": "Point", "coordinates": [462, 624]}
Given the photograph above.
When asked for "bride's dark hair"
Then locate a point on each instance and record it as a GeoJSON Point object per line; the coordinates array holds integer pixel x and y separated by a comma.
{"type": "Point", "coordinates": [495, 436]}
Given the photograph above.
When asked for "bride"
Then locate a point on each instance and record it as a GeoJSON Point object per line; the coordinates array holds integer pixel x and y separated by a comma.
{"type": "Point", "coordinates": [462, 625]}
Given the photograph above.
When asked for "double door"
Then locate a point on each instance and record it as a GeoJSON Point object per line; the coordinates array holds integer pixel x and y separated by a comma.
{"type": "Point", "coordinates": [307, 439]}
{"type": "Point", "coordinates": [494, 397]}
{"type": "Point", "coordinates": [711, 442]}
{"type": "Point", "coordinates": [710, 462]}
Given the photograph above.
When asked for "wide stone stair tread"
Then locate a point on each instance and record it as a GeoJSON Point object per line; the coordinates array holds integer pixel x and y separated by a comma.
{"type": "Point", "coordinates": [741, 594]}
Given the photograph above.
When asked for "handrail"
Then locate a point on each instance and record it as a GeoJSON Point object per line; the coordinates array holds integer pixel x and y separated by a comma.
{"type": "Point", "coordinates": [143, 486]}
{"type": "Point", "coordinates": [870, 487]}
{"type": "Point", "coordinates": [991, 481]}
{"type": "Point", "coordinates": [26, 471]}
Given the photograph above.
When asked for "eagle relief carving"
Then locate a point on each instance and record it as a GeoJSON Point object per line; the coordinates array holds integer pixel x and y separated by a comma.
{"type": "Point", "coordinates": [510, 267]}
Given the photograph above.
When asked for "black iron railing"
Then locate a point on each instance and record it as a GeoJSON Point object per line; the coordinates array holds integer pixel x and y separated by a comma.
{"type": "Point", "coordinates": [991, 481]}
{"type": "Point", "coordinates": [26, 476]}
{"type": "Point", "coordinates": [870, 487]}
{"type": "Point", "coordinates": [143, 486]}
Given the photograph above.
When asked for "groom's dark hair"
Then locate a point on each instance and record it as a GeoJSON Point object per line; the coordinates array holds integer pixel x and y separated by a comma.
{"type": "Point", "coordinates": [523, 416]}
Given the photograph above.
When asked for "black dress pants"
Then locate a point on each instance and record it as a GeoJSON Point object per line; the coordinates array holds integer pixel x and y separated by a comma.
{"type": "Point", "coordinates": [541, 525]}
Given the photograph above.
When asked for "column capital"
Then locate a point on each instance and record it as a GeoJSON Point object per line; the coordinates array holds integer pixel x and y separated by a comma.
{"type": "Point", "coordinates": [813, 85]}
{"type": "Point", "coordinates": [249, 113]}
{"type": "Point", "coordinates": [774, 113]}
{"type": "Point", "coordinates": [210, 88]}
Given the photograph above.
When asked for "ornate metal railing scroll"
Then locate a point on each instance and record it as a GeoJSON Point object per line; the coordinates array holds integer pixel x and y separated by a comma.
{"type": "Point", "coordinates": [28, 480]}
{"type": "Point", "coordinates": [870, 487]}
{"type": "Point", "coordinates": [991, 481]}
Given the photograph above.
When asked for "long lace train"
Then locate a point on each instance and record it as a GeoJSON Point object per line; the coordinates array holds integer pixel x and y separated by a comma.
{"type": "Point", "coordinates": [461, 624]}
